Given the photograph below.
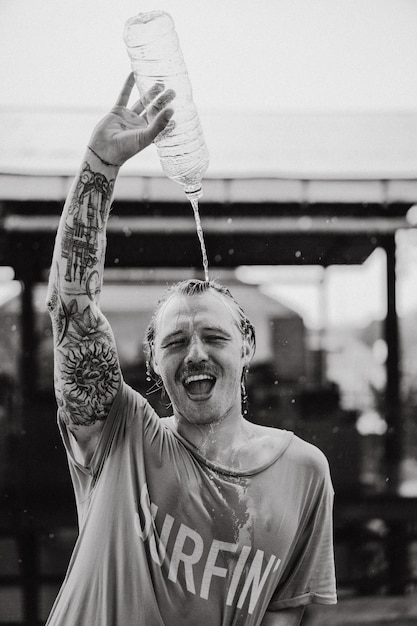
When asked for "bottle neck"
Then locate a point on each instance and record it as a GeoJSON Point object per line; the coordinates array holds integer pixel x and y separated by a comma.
{"type": "Point", "coordinates": [193, 192]}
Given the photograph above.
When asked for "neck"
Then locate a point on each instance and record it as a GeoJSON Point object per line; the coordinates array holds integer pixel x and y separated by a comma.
{"type": "Point", "coordinates": [221, 441]}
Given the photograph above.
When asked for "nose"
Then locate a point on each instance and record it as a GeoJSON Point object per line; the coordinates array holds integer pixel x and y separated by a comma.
{"type": "Point", "coordinates": [196, 351]}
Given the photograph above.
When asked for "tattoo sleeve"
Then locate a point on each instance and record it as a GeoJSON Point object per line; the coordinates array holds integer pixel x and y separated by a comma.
{"type": "Point", "coordinates": [87, 372]}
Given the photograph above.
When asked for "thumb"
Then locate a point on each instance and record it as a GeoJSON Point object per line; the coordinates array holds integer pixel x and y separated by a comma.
{"type": "Point", "coordinates": [157, 125]}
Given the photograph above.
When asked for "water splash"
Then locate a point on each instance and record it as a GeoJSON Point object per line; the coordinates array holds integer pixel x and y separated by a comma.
{"type": "Point", "coordinates": [194, 204]}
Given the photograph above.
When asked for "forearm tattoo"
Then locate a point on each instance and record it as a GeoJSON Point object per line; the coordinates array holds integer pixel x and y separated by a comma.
{"type": "Point", "coordinates": [87, 367]}
{"type": "Point", "coordinates": [89, 208]}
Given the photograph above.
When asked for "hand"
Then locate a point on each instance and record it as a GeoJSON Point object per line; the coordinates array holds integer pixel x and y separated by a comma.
{"type": "Point", "coordinates": [124, 132]}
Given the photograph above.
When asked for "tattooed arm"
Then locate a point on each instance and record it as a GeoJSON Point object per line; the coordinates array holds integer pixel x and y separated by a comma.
{"type": "Point", "coordinates": [87, 372]}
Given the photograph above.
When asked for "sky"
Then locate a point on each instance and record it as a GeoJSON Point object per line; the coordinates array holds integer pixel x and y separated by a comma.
{"type": "Point", "coordinates": [263, 56]}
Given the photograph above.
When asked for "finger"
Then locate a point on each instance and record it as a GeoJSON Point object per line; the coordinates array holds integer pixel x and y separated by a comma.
{"type": "Point", "coordinates": [147, 98]}
{"type": "Point", "coordinates": [158, 125]}
{"type": "Point", "coordinates": [124, 95]}
{"type": "Point", "coordinates": [160, 103]}
{"type": "Point", "coordinates": [138, 107]}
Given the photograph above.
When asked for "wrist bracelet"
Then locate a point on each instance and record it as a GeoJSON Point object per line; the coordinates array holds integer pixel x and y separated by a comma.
{"type": "Point", "coordinates": [102, 160]}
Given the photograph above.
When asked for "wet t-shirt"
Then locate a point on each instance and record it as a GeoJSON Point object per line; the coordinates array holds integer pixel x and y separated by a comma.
{"type": "Point", "coordinates": [166, 537]}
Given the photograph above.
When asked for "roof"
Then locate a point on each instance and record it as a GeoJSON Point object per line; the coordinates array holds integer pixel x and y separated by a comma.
{"type": "Point", "coordinates": [280, 189]}
{"type": "Point", "coordinates": [299, 157]}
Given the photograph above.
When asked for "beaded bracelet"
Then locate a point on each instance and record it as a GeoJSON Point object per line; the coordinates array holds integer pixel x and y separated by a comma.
{"type": "Point", "coordinates": [100, 159]}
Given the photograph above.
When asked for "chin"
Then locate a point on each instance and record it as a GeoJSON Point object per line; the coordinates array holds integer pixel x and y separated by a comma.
{"type": "Point", "coordinates": [194, 416]}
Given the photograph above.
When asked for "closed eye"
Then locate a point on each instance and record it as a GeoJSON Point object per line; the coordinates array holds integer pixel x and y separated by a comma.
{"type": "Point", "coordinates": [174, 343]}
{"type": "Point", "coordinates": [173, 340]}
{"type": "Point", "coordinates": [215, 338]}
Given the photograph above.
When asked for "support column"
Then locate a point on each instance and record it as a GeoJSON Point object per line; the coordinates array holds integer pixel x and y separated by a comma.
{"type": "Point", "coordinates": [26, 530]}
{"type": "Point", "coordinates": [397, 538]}
{"type": "Point", "coordinates": [394, 437]}
{"type": "Point", "coordinates": [28, 341]}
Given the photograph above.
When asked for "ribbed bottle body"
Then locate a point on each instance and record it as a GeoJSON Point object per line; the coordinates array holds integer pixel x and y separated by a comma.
{"type": "Point", "coordinates": [156, 57]}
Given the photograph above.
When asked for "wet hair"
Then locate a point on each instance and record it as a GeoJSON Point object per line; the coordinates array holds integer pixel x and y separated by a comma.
{"type": "Point", "coordinates": [194, 287]}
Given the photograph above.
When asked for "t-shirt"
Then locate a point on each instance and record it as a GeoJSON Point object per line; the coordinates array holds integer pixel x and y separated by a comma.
{"type": "Point", "coordinates": [169, 538]}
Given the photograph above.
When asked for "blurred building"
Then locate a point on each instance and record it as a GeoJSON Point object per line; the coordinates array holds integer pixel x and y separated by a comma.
{"type": "Point", "coordinates": [289, 382]}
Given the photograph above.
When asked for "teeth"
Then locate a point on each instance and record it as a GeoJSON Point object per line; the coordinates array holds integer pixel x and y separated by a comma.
{"type": "Point", "coordinates": [191, 379]}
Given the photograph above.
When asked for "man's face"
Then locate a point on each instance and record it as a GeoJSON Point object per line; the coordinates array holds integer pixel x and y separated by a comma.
{"type": "Point", "coordinates": [199, 352]}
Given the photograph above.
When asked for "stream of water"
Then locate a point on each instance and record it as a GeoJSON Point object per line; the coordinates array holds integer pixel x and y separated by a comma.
{"type": "Point", "coordinates": [194, 204]}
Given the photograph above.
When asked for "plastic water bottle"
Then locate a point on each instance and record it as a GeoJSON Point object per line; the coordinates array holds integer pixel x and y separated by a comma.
{"type": "Point", "coordinates": [153, 46]}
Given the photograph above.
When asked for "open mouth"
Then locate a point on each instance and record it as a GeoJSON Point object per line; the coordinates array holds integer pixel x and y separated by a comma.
{"type": "Point", "coordinates": [199, 385]}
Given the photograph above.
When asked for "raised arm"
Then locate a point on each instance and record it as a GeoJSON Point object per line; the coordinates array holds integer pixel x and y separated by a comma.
{"type": "Point", "coordinates": [87, 372]}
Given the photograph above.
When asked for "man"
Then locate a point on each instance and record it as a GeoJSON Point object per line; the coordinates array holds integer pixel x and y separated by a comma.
{"type": "Point", "coordinates": [200, 517]}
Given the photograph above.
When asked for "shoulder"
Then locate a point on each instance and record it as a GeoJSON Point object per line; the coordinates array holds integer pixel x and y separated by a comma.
{"type": "Point", "coordinates": [301, 458]}
{"type": "Point", "coordinates": [305, 471]}
{"type": "Point", "coordinates": [296, 450]}
{"type": "Point", "coordinates": [131, 401]}
{"type": "Point", "coordinates": [262, 445]}
{"type": "Point", "coordinates": [130, 411]}
{"type": "Point", "coordinates": [307, 455]}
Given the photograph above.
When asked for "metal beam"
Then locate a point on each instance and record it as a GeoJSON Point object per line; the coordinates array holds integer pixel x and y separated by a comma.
{"type": "Point", "coordinates": [220, 225]}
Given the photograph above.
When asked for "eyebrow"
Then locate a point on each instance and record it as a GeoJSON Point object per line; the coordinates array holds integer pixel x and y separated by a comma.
{"type": "Point", "coordinates": [172, 335]}
{"type": "Point", "coordinates": [217, 329]}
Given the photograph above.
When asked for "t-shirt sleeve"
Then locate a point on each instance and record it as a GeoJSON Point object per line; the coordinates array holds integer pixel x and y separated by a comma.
{"type": "Point", "coordinates": [309, 575]}
{"type": "Point", "coordinates": [127, 406]}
